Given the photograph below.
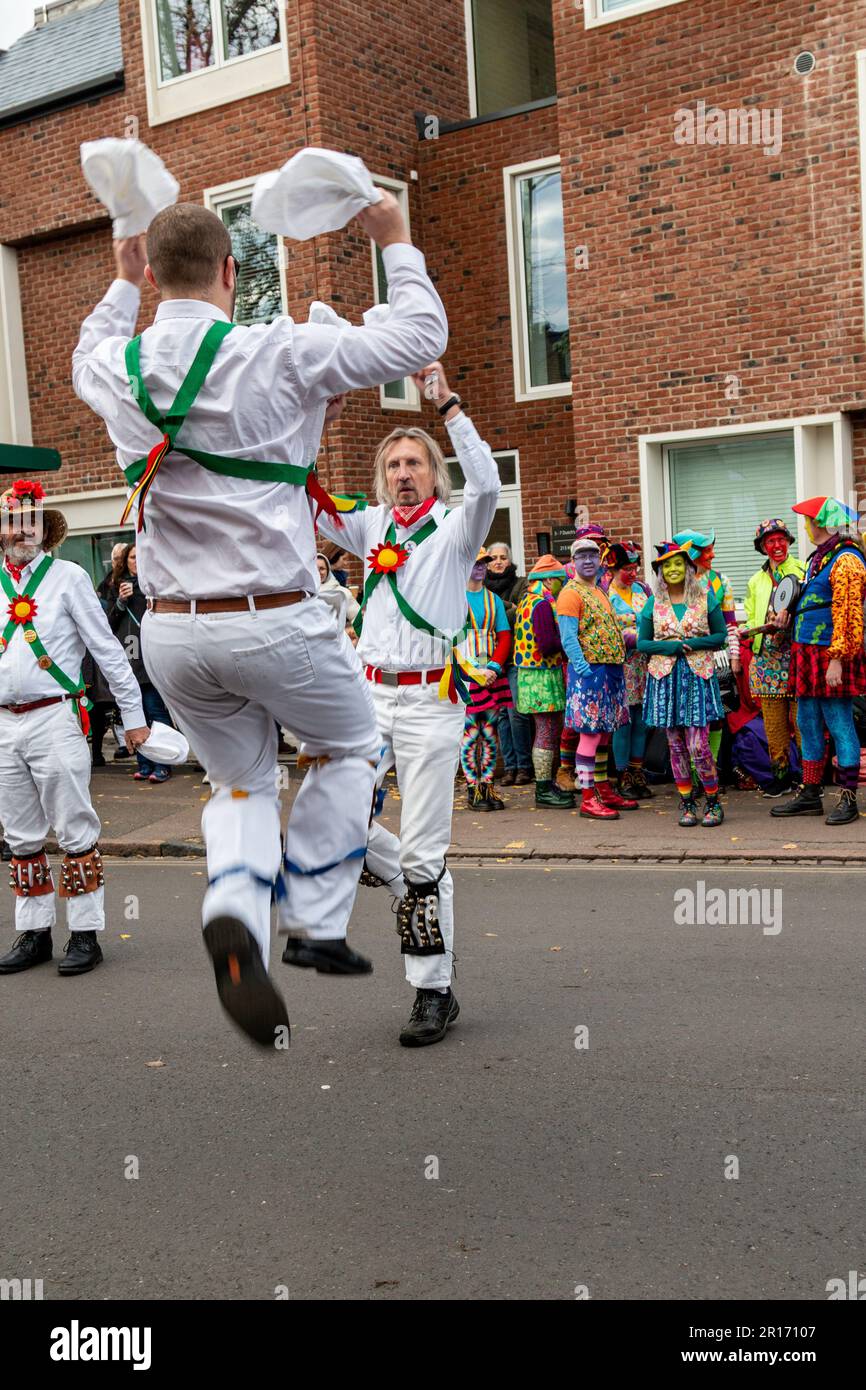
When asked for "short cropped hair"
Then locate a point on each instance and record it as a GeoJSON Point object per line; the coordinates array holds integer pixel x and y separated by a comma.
{"type": "Point", "coordinates": [187, 245]}
{"type": "Point", "coordinates": [441, 476]}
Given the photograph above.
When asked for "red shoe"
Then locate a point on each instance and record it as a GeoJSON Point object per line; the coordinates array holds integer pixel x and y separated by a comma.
{"type": "Point", "coordinates": [591, 806]}
{"type": "Point", "coordinates": [608, 797]}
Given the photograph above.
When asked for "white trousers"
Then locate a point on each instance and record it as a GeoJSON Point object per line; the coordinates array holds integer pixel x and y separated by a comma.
{"type": "Point", "coordinates": [228, 679]}
{"type": "Point", "coordinates": [45, 782]}
{"type": "Point", "coordinates": [420, 737]}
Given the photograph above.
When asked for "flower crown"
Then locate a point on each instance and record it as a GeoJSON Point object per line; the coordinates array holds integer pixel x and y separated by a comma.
{"type": "Point", "coordinates": [25, 488]}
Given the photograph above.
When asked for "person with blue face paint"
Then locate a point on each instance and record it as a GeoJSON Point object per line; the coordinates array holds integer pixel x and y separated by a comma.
{"type": "Point", "coordinates": [488, 647]}
{"type": "Point", "coordinates": [595, 692]}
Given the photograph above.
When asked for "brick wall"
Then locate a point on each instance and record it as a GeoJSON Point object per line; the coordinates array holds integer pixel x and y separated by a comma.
{"type": "Point", "coordinates": [708, 261]}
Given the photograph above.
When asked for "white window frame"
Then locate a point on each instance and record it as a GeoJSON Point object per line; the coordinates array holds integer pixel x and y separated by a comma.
{"type": "Point", "coordinates": [226, 80]}
{"type": "Point", "coordinates": [470, 59]}
{"type": "Point", "coordinates": [411, 400]}
{"type": "Point", "coordinates": [823, 465]}
{"type": "Point", "coordinates": [512, 174]}
{"type": "Point", "coordinates": [223, 195]}
{"type": "Point", "coordinates": [595, 15]}
{"type": "Point", "coordinates": [509, 499]}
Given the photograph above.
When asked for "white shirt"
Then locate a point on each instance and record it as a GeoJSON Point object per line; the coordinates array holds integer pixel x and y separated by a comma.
{"type": "Point", "coordinates": [208, 536]}
{"type": "Point", "coordinates": [433, 579]}
{"type": "Point", "coordinates": [69, 619]}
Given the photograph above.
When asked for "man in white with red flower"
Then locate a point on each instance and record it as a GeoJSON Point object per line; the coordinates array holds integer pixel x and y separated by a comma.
{"type": "Point", "coordinates": [418, 557]}
{"type": "Point", "coordinates": [49, 615]}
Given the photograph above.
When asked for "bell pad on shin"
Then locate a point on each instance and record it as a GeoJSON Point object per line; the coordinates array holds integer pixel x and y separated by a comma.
{"type": "Point", "coordinates": [30, 875]}
{"type": "Point", "coordinates": [81, 873]}
{"type": "Point", "coordinates": [418, 921]}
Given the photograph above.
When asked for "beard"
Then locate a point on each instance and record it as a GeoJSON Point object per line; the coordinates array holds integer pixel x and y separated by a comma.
{"type": "Point", "coordinates": [19, 552]}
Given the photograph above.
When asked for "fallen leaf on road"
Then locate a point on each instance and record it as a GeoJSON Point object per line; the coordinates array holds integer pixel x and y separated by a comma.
{"type": "Point", "coordinates": [516, 844]}
{"type": "Point", "coordinates": [790, 846]}
{"type": "Point", "coordinates": [491, 933]}
{"type": "Point", "coordinates": [734, 839]}
{"type": "Point", "coordinates": [125, 935]}
{"type": "Point", "coordinates": [554, 948]}
{"type": "Point", "coordinates": [386, 1284]}
{"type": "Point", "coordinates": [155, 1064]}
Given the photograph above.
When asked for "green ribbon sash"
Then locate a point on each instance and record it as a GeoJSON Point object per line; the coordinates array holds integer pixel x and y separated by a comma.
{"type": "Point", "coordinates": [29, 631]}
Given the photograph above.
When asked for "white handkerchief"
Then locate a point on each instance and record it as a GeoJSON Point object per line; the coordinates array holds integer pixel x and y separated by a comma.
{"type": "Point", "coordinates": [165, 745]}
{"type": "Point", "coordinates": [323, 313]}
{"type": "Point", "coordinates": [316, 191]}
{"type": "Point", "coordinates": [130, 180]}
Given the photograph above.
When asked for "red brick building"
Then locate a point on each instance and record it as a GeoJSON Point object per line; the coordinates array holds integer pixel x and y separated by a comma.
{"type": "Point", "coordinates": [645, 218]}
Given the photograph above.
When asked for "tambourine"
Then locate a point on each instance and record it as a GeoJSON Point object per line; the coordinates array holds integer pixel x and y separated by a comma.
{"type": "Point", "coordinates": [786, 593]}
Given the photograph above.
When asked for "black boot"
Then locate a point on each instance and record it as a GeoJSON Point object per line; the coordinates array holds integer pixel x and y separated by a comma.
{"type": "Point", "coordinates": [845, 809]}
{"type": "Point", "coordinates": [494, 802]}
{"type": "Point", "coordinates": [31, 948]}
{"type": "Point", "coordinates": [82, 953]}
{"type": "Point", "coordinates": [476, 798]}
{"type": "Point", "coordinates": [244, 986]}
{"type": "Point", "coordinates": [807, 802]}
{"type": "Point", "coordinates": [432, 1014]}
{"type": "Point", "coordinates": [334, 957]}
{"type": "Point", "coordinates": [779, 786]}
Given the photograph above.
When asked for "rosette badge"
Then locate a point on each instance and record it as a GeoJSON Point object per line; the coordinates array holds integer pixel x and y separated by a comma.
{"type": "Point", "coordinates": [387, 557]}
{"type": "Point", "coordinates": [22, 609]}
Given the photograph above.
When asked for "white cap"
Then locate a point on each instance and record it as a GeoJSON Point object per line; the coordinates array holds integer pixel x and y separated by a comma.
{"type": "Point", "coordinates": [165, 745]}
{"type": "Point", "coordinates": [316, 191]}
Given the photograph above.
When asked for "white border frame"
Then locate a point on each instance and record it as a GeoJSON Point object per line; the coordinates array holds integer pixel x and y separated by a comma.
{"type": "Point", "coordinates": [817, 469]}
{"type": "Point", "coordinates": [861, 128]}
{"type": "Point", "coordinates": [400, 189]}
{"type": "Point", "coordinates": [241, 191]}
{"type": "Point", "coordinates": [517, 288]}
{"type": "Point", "coordinates": [218, 85]}
{"type": "Point", "coordinates": [510, 497]}
{"type": "Point", "coordinates": [470, 59]}
{"type": "Point", "coordinates": [594, 15]}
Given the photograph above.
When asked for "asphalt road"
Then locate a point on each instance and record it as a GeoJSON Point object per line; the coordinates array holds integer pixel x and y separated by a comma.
{"type": "Point", "coordinates": [558, 1166]}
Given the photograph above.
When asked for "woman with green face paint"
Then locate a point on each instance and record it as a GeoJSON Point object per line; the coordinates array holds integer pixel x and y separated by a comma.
{"type": "Point", "coordinates": [680, 628]}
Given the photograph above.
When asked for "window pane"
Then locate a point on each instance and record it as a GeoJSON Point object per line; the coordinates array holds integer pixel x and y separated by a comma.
{"type": "Point", "coordinates": [249, 25]}
{"type": "Point", "coordinates": [730, 487]}
{"type": "Point", "coordinates": [259, 289]}
{"type": "Point", "coordinates": [185, 36]}
{"type": "Point", "coordinates": [506, 463]}
{"type": "Point", "coordinates": [513, 43]}
{"type": "Point", "coordinates": [544, 278]}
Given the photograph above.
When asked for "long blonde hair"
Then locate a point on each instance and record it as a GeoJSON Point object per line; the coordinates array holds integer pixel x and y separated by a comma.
{"type": "Point", "coordinates": [692, 588]}
{"type": "Point", "coordinates": [441, 476]}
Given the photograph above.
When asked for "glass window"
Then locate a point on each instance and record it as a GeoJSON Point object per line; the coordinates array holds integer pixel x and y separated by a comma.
{"type": "Point", "coordinates": [401, 394]}
{"type": "Point", "coordinates": [93, 551]}
{"type": "Point", "coordinates": [260, 286]}
{"type": "Point", "coordinates": [512, 42]}
{"type": "Point", "coordinates": [198, 34]}
{"type": "Point", "coordinates": [730, 487]}
{"type": "Point", "coordinates": [542, 269]}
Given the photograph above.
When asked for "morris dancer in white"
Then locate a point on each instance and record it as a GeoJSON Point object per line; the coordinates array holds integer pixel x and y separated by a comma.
{"type": "Point", "coordinates": [418, 559]}
{"type": "Point", "coordinates": [235, 637]}
{"type": "Point", "coordinates": [53, 615]}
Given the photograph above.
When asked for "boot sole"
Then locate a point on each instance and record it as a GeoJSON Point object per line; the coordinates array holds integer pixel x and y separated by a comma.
{"type": "Point", "coordinates": [590, 815]}
{"type": "Point", "coordinates": [409, 1040]}
{"type": "Point", "coordinates": [19, 969]}
{"type": "Point", "coordinates": [331, 967]}
{"type": "Point", "coordinates": [244, 986]}
{"type": "Point", "coordinates": [80, 969]}
{"type": "Point", "coordinates": [784, 815]}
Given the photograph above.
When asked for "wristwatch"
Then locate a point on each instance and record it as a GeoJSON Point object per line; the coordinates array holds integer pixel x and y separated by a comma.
{"type": "Point", "coordinates": [451, 401]}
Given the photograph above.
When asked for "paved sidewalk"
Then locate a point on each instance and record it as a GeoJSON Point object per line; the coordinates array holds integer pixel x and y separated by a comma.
{"type": "Point", "coordinates": [143, 819]}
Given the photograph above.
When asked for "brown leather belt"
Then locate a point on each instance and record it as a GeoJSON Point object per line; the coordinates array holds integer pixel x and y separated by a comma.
{"type": "Point", "coordinates": [39, 704]}
{"type": "Point", "coordinates": [225, 605]}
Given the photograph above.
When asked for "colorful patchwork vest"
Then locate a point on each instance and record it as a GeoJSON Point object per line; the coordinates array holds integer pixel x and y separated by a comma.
{"type": "Point", "coordinates": [600, 635]}
{"type": "Point", "coordinates": [813, 625]}
{"type": "Point", "coordinates": [667, 627]}
{"type": "Point", "coordinates": [481, 638]}
{"type": "Point", "coordinates": [527, 653]}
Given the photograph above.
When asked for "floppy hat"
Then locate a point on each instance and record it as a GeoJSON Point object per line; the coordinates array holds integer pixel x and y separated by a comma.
{"type": "Point", "coordinates": [165, 745]}
{"type": "Point", "coordinates": [773, 526]}
{"type": "Point", "coordinates": [668, 549]}
{"type": "Point", "coordinates": [827, 512]}
{"type": "Point", "coordinates": [315, 191]}
{"type": "Point", "coordinates": [698, 540]}
{"type": "Point", "coordinates": [483, 557]}
{"type": "Point", "coordinates": [130, 180]}
{"type": "Point", "coordinates": [623, 553]}
{"type": "Point", "coordinates": [548, 567]}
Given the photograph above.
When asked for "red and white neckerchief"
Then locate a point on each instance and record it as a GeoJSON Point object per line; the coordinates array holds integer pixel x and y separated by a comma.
{"type": "Point", "coordinates": [15, 570]}
{"type": "Point", "coordinates": [407, 516]}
